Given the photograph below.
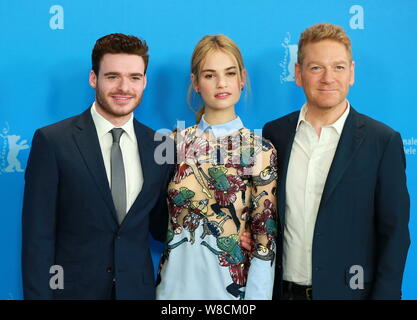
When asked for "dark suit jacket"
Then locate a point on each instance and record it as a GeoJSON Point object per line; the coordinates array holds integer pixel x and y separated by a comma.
{"type": "Point", "coordinates": [69, 217]}
{"type": "Point", "coordinates": [363, 214]}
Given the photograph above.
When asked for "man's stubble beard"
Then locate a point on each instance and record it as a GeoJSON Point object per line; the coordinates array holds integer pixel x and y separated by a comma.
{"type": "Point", "coordinates": [101, 99]}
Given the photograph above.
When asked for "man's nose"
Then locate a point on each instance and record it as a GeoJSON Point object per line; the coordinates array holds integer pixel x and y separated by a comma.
{"type": "Point", "coordinates": [328, 75]}
{"type": "Point", "coordinates": [123, 84]}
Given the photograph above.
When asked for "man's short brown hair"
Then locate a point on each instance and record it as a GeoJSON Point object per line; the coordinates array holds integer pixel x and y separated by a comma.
{"type": "Point", "coordinates": [118, 43]}
{"type": "Point", "coordinates": [323, 31]}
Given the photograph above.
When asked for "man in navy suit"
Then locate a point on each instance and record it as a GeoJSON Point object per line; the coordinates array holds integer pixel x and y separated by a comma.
{"type": "Point", "coordinates": [94, 191]}
{"type": "Point", "coordinates": [343, 200]}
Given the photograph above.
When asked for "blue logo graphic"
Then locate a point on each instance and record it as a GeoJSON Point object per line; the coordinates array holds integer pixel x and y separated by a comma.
{"type": "Point", "coordinates": [11, 145]}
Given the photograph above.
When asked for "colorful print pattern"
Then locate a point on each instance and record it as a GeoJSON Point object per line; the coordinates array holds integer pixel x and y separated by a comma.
{"type": "Point", "coordinates": [222, 187]}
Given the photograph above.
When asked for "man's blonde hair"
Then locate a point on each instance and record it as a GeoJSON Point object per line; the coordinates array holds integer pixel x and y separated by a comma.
{"type": "Point", "coordinates": [323, 31]}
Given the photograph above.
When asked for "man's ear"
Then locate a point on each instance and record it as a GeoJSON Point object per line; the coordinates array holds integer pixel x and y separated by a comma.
{"type": "Point", "coordinates": [93, 79]}
{"type": "Point", "coordinates": [352, 73]}
{"type": "Point", "coordinates": [145, 81]}
{"type": "Point", "coordinates": [298, 78]}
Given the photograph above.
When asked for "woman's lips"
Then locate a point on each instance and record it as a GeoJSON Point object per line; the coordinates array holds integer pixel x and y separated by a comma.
{"type": "Point", "coordinates": [222, 95]}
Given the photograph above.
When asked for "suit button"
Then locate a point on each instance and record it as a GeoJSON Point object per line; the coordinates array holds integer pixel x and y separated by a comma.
{"type": "Point", "coordinates": [109, 270]}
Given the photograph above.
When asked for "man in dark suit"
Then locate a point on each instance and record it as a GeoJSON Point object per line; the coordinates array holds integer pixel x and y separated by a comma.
{"type": "Point", "coordinates": [94, 191]}
{"type": "Point", "coordinates": [343, 200]}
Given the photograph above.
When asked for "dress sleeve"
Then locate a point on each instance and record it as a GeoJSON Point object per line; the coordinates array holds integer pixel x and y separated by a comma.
{"type": "Point", "coordinates": [263, 226]}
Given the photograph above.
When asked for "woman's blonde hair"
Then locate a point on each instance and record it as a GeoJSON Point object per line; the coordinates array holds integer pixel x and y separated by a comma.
{"type": "Point", "coordinates": [207, 45]}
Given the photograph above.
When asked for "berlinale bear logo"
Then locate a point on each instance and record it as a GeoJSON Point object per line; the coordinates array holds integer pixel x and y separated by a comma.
{"type": "Point", "coordinates": [10, 148]}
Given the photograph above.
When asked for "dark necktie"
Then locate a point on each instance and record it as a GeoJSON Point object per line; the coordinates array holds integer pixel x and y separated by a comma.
{"type": "Point", "coordinates": [118, 179]}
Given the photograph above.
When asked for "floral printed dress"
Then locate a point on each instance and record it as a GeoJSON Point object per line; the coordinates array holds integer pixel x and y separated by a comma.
{"type": "Point", "coordinates": [222, 187]}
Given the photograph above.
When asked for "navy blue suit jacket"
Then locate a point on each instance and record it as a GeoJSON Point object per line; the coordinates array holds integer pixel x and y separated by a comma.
{"type": "Point", "coordinates": [69, 217]}
{"type": "Point", "coordinates": [364, 211]}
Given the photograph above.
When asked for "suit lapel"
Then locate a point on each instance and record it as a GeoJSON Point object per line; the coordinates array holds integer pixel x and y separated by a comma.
{"type": "Point", "coordinates": [349, 143]}
{"type": "Point", "coordinates": [86, 138]}
{"type": "Point", "coordinates": [286, 149]}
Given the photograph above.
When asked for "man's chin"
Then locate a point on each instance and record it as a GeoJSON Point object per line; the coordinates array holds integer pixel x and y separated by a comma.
{"type": "Point", "coordinates": [329, 106]}
{"type": "Point", "coordinates": [123, 111]}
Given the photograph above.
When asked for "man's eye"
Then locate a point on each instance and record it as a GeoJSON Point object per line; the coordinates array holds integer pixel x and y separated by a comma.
{"type": "Point", "coordinates": [315, 68]}
{"type": "Point", "coordinates": [136, 78]}
{"type": "Point", "coordinates": [340, 67]}
{"type": "Point", "coordinates": [111, 77]}
{"type": "Point", "coordinates": [231, 74]}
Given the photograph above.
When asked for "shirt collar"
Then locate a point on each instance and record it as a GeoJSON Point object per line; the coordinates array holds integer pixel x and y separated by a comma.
{"type": "Point", "coordinates": [337, 125]}
{"type": "Point", "coordinates": [103, 126]}
{"type": "Point", "coordinates": [222, 129]}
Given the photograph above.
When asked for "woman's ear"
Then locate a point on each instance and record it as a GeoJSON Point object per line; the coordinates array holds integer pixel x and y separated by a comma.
{"type": "Point", "coordinates": [243, 79]}
{"type": "Point", "coordinates": [194, 82]}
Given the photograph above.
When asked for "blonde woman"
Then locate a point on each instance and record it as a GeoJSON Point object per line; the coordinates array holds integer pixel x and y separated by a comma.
{"type": "Point", "coordinates": [224, 185]}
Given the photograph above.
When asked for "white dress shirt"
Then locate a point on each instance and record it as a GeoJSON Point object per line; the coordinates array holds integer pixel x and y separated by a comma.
{"type": "Point", "coordinates": [310, 161]}
{"type": "Point", "coordinates": [130, 153]}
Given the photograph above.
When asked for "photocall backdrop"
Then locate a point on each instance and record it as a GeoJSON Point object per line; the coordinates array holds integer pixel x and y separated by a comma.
{"type": "Point", "coordinates": [45, 50]}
